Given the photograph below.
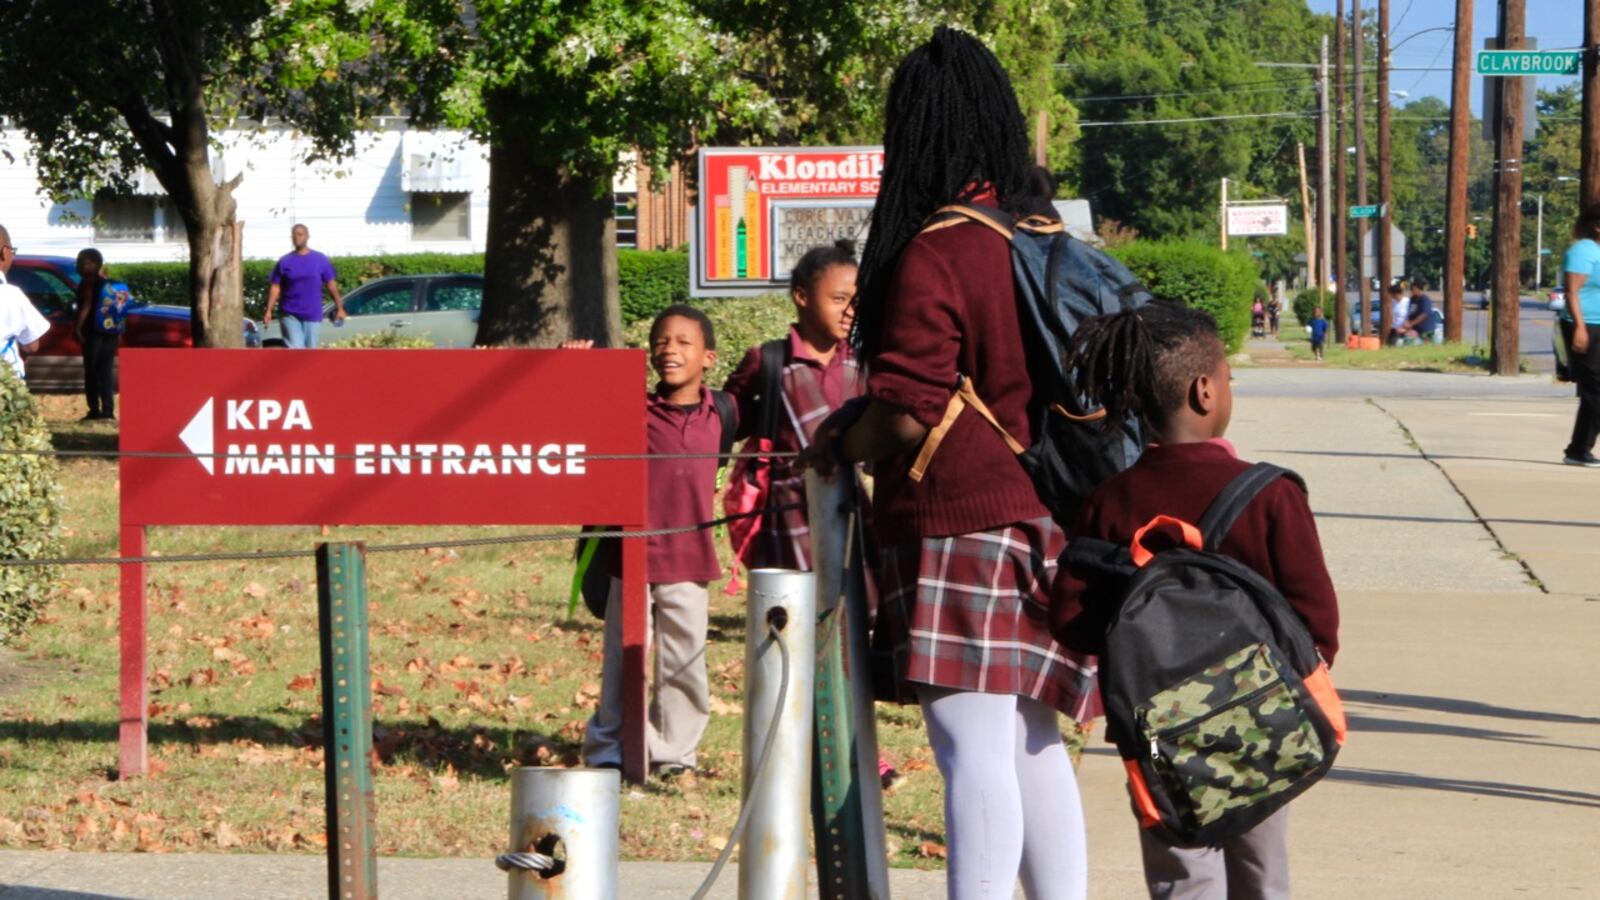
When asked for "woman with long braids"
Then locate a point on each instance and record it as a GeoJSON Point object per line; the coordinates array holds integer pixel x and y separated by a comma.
{"type": "Point", "coordinates": [969, 549]}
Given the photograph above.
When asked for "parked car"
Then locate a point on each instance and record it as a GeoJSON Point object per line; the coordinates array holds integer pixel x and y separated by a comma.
{"type": "Point", "coordinates": [51, 282]}
{"type": "Point", "coordinates": [442, 309]}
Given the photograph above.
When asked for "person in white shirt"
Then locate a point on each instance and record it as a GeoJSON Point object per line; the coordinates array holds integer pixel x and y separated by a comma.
{"type": "Point", "coordinates": [21, 326]}
{"type": "Point", "coordinates": [1399, 306]}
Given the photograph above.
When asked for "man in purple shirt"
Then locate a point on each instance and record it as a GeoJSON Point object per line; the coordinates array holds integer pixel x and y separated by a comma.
{"type": "Point", "coordinates": [299, 278]}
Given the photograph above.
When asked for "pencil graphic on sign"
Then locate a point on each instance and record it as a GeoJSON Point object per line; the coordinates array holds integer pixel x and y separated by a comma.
{"type": "Point", "coordinates": [737, 177]}
{"type": "Point", "coordinates": [752, 231]}
{"type": "Point", "coordinates": [722, 225]}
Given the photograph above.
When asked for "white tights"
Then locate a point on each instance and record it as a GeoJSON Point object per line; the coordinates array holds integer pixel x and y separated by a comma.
{"type": "Point", "coordinates": [1011, 802]}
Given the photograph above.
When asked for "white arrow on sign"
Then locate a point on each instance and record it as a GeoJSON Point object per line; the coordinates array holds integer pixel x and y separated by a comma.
{"type": "Point", "coordinates": [197, 437]}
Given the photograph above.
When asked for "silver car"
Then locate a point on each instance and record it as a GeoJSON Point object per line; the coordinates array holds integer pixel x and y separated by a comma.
{"type": "Point", "coordinates": [442, 309]}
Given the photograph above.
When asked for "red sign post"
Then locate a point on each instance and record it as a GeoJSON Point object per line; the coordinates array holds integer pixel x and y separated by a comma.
{"type": "Point", "coordinates": [380, 437]}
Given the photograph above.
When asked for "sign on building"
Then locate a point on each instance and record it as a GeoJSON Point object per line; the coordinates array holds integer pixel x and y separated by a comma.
{"type": "Point", "coordinates": [761, 208]}
{"type": "Point", "coordinates": [1255, 220]}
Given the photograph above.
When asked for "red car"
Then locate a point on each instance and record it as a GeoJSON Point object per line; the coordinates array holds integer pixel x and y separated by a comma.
{"type": "Point", "coordinates": [51, 282]}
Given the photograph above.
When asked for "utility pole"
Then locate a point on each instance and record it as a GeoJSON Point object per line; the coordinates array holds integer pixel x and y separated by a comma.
{"type": "Point", "coordinates": [1324, 198]}
{"type": "Point", "coordinates": [1385, 230]}
{"type": "Point", "coordinates": [1305, 215]}
{"type": "Point", "coordinates": [1341, 245]}
{"type": "Point", "coordinates": [1589, 167]}
{"type": "Point", "coordinates": [1224, 215]}
{"type": "Point", "coordinates": [1455, 216]}
{"type": "Point", "coordinates": [1508, 200]}
{"type": "Point", "coordinates": [1357, 40]}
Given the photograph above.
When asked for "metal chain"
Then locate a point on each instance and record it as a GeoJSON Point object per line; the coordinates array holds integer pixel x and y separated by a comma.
{"type": "Point", "coordinates": [395, 548]}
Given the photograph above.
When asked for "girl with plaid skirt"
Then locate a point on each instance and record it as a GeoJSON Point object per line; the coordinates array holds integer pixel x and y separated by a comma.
{"type": "Point", "coordinates": [969, 550]}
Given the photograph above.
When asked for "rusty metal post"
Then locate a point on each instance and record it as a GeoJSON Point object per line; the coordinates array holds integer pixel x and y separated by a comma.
{"type": "Point", "coordinates": [568, 819]}
{"type": "Point", "coordinates": [347, 721]}
{"type": "Point", "coordinates": [847, 795]}
{"type": "Point", "coordinates": [775, 858]}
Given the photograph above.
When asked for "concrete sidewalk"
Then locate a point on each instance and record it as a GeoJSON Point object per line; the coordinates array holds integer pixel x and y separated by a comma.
{"type": "Point", "coordinates": [1473, 766]}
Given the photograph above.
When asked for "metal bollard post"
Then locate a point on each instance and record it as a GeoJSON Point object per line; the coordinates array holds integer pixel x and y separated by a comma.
{"type": "Point", "coordinates": [563, 834]}
{"type": "Point", "coordinates": [847, 796]}
{"type": "Point", "coordinates": [347, 721]}
{"type": "Point", "coordinates": [775, 859]}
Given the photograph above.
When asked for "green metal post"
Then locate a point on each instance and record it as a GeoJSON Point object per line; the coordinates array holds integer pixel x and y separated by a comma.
{"type": "Point", "coordinates": [347, 721]}
{"type": "Point", "coordinates": [846, 798]}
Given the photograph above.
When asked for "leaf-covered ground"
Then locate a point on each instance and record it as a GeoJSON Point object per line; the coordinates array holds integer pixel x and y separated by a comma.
{"type": "Point", "coordinates": [476, 670]}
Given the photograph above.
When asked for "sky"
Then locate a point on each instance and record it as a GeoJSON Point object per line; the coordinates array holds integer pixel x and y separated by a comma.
{"type": "Point", "coordinates": [1555, 23]}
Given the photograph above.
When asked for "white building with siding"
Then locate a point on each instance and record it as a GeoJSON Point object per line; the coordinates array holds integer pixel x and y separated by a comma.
{"type": "Point", "coordinates": [403, 191]}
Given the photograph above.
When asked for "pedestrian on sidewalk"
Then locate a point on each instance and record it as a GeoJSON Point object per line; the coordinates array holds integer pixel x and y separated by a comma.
{"type": "Point", "coordinates": [1319, 333]}
{"type": "Point", "coordinates": [1166, 364]}
{"type": "Point", "coordinates": [21, 325]}
{"type": "Point", "coordinates": [969, 550]}
{"type": "Point", "coordinates": [1580, 325]}
{"type": "Point", "coordinates": [299, 278]}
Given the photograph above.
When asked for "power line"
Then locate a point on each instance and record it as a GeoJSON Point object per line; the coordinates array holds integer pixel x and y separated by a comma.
{"type": "Point", "coordinates": [1270, 115]}
{"type": "Point", "coordinates": [1247, 87]}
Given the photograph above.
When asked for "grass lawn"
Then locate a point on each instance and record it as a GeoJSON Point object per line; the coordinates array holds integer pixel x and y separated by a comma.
{"type": "Point", "coordinates": [1416, 358]}
{"type": "Point", "coordinates": [476, 670]}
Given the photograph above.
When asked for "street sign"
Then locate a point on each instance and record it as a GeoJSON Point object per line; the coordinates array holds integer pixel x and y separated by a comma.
{"type": "Point", "coordinates": [1545, 252]}
{"type": "Point", "coordinates": [1370, 211]}
{"type": "Point", "coordinates": [1264, 219]}
{"type": "Point", "coordinates": [1528, 62]}
{"type": "Point", "coordinates": [363, 437]}
{"type": "Point", "coordinates": [763, 207]}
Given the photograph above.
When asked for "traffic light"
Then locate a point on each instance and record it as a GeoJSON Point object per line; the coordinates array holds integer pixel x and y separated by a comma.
{"type": "Point", "coordinates": [1472, 232]}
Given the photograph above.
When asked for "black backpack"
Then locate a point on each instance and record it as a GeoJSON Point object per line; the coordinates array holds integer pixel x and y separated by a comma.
{"type": "Point", "coordinates": [1060, 281]}
{"type": "Point", "coordinates": [597, 558]}
{"type": "Point", "coordinates": [1214, 694]}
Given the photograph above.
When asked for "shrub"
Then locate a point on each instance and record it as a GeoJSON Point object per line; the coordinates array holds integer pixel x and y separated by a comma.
{"type": "Point", "coordinates": [1199, 275]}
{"type": "Point", "coordinates": [650, 281]}
{"type": "Point", "coordinates": [1306, 302]}
{"type": "Point", "coordinates": [30, 508]}
{"type": "Point", "coordinates": [387, 339]}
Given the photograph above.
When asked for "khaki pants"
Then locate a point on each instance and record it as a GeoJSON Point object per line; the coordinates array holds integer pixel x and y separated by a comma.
{"type": "Point", "coordinates": [1252, 866]}
{"type": "Point", "coordinates": [681, 704]}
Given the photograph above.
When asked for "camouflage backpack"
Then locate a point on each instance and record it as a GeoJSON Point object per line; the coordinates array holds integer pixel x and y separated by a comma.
{"type": "Point", "coordinates": [1214, 694]}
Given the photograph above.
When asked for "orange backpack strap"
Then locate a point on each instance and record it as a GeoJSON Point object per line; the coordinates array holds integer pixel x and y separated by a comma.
{"type": "Point", "coordinates": [957, 213]}
{"type": "Point", "coordinates": [964, 397]}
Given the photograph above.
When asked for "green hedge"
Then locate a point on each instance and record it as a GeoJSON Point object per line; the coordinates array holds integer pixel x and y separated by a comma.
{"type": "Point", "coordinates": [1306, 302]}
{"type": "Point", "coordinates": [650, 281]}
{"type": "Point", "coordinates": [1204, 277]}
{"type": "Point", "coordinates": [30, 509]}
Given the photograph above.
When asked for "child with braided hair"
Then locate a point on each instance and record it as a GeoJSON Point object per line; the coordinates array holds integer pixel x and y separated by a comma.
{"type": "Point", "coordinates": [969, 550]}
{"type": "Point", "coordinates": [1165, 364]}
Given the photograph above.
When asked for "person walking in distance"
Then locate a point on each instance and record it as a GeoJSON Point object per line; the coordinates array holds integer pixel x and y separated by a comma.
{"type": "Point", "coordinates": [1580, 325]}
{"type": "Point", "coordinates": [969, 550]}
{"type": "Point", "coordinates": [299, 279]}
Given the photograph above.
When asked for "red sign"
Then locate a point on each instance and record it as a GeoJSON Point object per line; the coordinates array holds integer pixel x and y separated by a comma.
{"type": "Point", "coordinates": [761, 208]}
{"type": "Point", "coordinates": [374, 437]}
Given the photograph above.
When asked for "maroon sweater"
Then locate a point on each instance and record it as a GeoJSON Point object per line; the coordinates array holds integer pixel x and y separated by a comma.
{"type": "Point", "coordinates": [952, 308]}
{"type": "Point", "coordinates": [1275, 535]}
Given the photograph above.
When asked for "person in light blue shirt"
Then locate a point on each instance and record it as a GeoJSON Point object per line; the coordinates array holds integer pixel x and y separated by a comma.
{"type": "Point", "coordinates": [1580, 324]}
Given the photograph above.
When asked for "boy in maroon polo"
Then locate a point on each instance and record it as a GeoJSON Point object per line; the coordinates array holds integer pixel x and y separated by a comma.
{"type": "Point", "coordinates": [681, 419]}
{"type": "Point", "coordinates": [1166, 364]}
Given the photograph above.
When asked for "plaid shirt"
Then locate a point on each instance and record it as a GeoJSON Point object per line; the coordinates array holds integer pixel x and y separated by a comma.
{"type": "Point", "coordinates": [811, 391]}
{"type": "Point", "coordinates": [969, 612]}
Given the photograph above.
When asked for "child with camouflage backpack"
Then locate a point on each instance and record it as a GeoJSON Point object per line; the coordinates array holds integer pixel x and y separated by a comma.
{"type": "Point", "coordinates": [1245, 629]}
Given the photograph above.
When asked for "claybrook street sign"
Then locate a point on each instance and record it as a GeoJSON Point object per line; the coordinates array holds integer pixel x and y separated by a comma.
{"type": "Point", "coordinates": [1527, 62]}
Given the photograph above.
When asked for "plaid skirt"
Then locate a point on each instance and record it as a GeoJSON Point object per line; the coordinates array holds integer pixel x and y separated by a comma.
{"type": "Point", "coordinates": [971, 613]}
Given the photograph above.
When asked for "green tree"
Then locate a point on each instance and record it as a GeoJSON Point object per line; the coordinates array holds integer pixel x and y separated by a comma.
{"type": "Point", "coordinates": [1132, 61]}
{"type": "Point", "coordinates": [103, 92]}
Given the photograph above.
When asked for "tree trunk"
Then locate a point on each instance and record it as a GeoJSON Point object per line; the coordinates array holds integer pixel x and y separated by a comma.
{"type": "Point", "coordinates": [216, 273]}
{"type": "Point", "coordinates": [550, 270]}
